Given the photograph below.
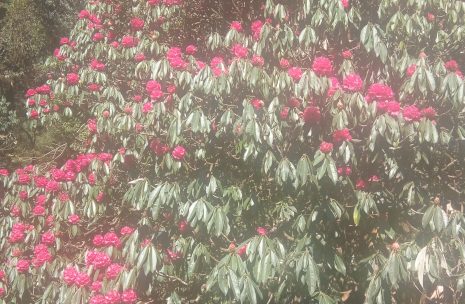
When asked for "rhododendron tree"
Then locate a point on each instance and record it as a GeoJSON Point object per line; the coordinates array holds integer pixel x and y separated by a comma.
{"type": "Point", "coordinates": [296, 158]}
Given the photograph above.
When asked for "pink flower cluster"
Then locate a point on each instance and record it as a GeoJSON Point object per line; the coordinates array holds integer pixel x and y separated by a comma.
{"type": "Point", "coordinates": [174, 57]}
{"type": "Point", "coordinates": [115, 297]}
{"type": "Point", "coordinates": [107, 240]}
{"type": "Point", "coordinates": [153, 88]}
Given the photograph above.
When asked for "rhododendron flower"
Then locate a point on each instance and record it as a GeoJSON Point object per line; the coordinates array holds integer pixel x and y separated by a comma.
{"type": "Point", "coordinates": [52, 186]}
{"type": "Point", "coordinates": [295, 73]}
{"type": "Point", "coordinates": [113, 271]}
{"type": "Point", "coordinates": [257, 103]}
{"type": "Point", "coordinates": [139, 57]}
{"type": "Point", "coordinates": [374, 178]}
{"type": "Point", "coordinates": [411, 113]}
{"type": "Point", "coordinates": [129, 296]}
{"type": "Point", "coordinates": [239, 51]}
{"type": "Point", "coordinates": [38, 210]}
{"type": "Point", "coordinates": [326, 147]}
{"type": "Point", "coordinates": [93, 87]}
{"type": "Point", "coordinates": [98, 299]}
{"type": "Point", "coordinates": [98, 37]}
{"type": "Point", "coordinates": [33, 114]}
{"type": "Point", "coordinates": [126, 230]}
{"type": "Point", "coordinates": [98, 241]}
{"type": "Point", "coordinates": [111, 239]}
{"type": "Point", "coordinates": [173, 256]}
{"type": "Point", "coordinates": [341, 135]}
{"type": "Point", "coordinates": [284, 63]}
{"type": "Point", "coordinates": [429, 113]}
{"type": "Point", "coordinates": [345, 4]}
{"type": "Point", "coordinates": [97, 65]}
{"type": "Point", "coordinates": [217, 66]}
{"type": "Point", "coordinates": [391, 107]}
{"type": "Point", "coordinates": [73, 219]}
{"type": "Point", "coordinates": [256, 28]}
{"type": "Point", "coordinates": [69, 275]}
{"type": "Point", "coordinates": [262, 231]}
{"type": "Point", "coordinates": [258, 60]}
{"type": "Point", "coordinates": [23, 266]}
{"type": "Point", "coordinates": [178, 153]}
{"type": "Point", "coordinates": [411, 69]}
{"type": "Point", "coordinates": [347, 54]}
{"type": "Point", "coordinates": [335, 85]}
{"type": "Point", "coordinates": [30, 92]}
{"type": "Point", "coordinates": [48, 238]}
{"type": "Point", "coordinates": [191, 49]}
{"type": "Point", "coordinates": [147, 107]}
{"type": "Point", "coordinates": [137, 24]}
{"type": "Point", "coordinates": [183, 226]}
{"type": "Point", "coordinates": [129, 41]}
{"type": "Point", "coordinates": [82, 279]}
{"type": "Point", "coordinates": [311, 115]}
{"type": "Point", "coordinates": [236, 25]}
{"type": "Point", "coordinates": [284, 113]}
{"type": "Point", "coordinates": [242, 250]}
{"type": "Point", "coordinates": [24, 179]}
{"type": "Point", "coordinates": [360, 184]}
{"type": "Point", "coordinates": [158, 147]}
{"type": "Point", "coordinates": [322, 66]}
{"type": "Point", "coordinates": [96, 286]}
{"type": "Point", "coordinates": [98, 259]}
{"type": "Point", "coordinates": [23, 195]}
{"type": "Point", "coordinates": [43, 89]}
{"type": "Point", "coordinates": [379, 92]}
{"type": "Point", "coordinates": [353, 83]}
{"type": "Point", "coordinates": [64, 40]}
{"type": "Point", "coordinates": [452, 65]}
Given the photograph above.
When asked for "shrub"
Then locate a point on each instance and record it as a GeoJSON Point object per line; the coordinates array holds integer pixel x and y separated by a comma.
{"type": "Point", "coordinates": [314, 155]}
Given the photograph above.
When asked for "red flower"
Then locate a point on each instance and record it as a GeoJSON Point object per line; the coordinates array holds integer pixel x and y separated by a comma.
{"type": "Point", "coordinates": [239, 51]}
{"type": "Point", "coordinates": [129, 296]}
{"type": "Point", "coordinates": [326, 147]}
{"type": "Point", "coordinates": [334, 86]}
{"type": "Point", "coordinates": [347, 54]}
{"type": "Point", "coordinates": [411, 69]}
{"type": "Point", "coordinates": [236, 25]}
{"type": "Point", "coordinates": [126, 230]}
{"type": "Point", "coordinates": [129, 41]}
{"type": "Point", "coordinates": [256, 28]}
{"type": "Point", "coordinates": [82, 279]}
{"type": "Point", "coordinates": [183, 226]}
{"type": "Point", "coordinates": [139, 57]}
{"type": "Point", "coordinates": [353, 83]}
{"type": "Point", "coordinates": [360, 184]}
{"type": "Point", "coordinates": [158, 148]}
{"type": "Point", "coordinates": [312, 115]}
{"type": "Point", "coordinates": [341, 135]}
{"type": "Point", "coordinates": [284, 63]}
{"type": "Point", "coordinates": [23, 266]}
{"type": "Point", "coordinates": [262, 231]}
{"type": "Point", "coordinates": [97, 65]}
{"type": "Point", "coordinates": [379, 92]}
{"type": "Point", "coordinates": [242, 250]}
{"type": "Point", "coordinates": [293, 102]}
{"type": "Point", "coordinates": [452, 65]}
{"type": "Point", "coordinates": [48, 238]}
{"type": "Point", "coordinates": [257, 103]}
{"type": "Point", "coordinates": [295, 73]}
{"type": "Point", "coordinates": [411, 113]}
{"type": "Point", "coordinates": [73, 219]}
{"type": "Point", "coordinates": [69, 275]}
{"type": "Point", "coordinates": [345, 4]}
{"type": "Point", "coordinates": [258, 60]}
{"type": "Point", "coordinates": [178, 153]}
{"type": "Point", "coordinates": [322, 66]}
{"type": "Point", "coordinates": [191, 49]}
{"type": "Point", "coordinates": [429, 113]}
{"type": "Point", "coordinates": [137, 24]}
{"type": "Point", "coordinates": [284, 113]}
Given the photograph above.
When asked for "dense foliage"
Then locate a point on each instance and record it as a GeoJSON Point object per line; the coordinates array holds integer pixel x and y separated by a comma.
{"type": "Point", "coordinates": [312, 155]}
